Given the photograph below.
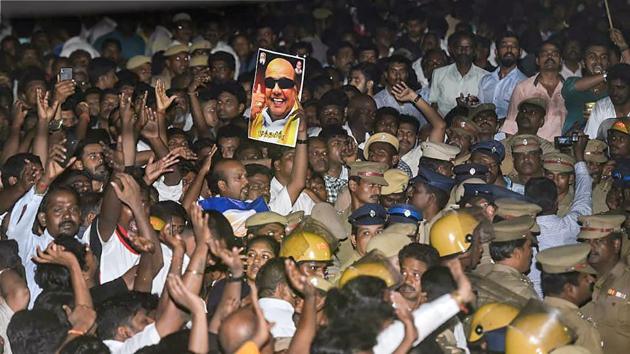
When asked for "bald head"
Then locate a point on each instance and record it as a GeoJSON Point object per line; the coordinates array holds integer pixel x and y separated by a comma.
{"type": "Point", "coordinates": [280, 88]}
{"type": "Point", "coordinates": [236, 329]}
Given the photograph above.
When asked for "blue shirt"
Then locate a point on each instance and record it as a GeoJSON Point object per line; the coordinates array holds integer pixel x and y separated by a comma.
{"type": "Point", "coordinates": [385, 99]}
{"type": "Point", "coordinates": [492, 89]}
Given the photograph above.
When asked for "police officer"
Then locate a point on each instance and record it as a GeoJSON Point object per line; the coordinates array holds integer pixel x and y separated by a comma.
{"type": "Point", "coordinates": [511, 251]}
{"type": "Point", "coordinates": [610, 305]}
{"type": "Point", "coordinates": [267, 223]}
{"type": "Point", "coordinates": [429, 194]}
{"type": "Point", "coordinates": [395, 191]}
{"type": "Point", "coordinates": [365, 182]}
{"type": "Point", "coordinates": [453, 235]}
{"type": "Point", "coordinates": [311, 252]}
{"type": "Point", "coordinates": [367, 222]}
{"type": "Point", "coordinates": [536, 332]}
{"type": "Point", "coordinates": [595, 157]}
{"type": "Point", "coordinates": [559, 168]}
{"type": "Point", "coordinates": [404, 214]}
{"type": "Point", "coordinates": [566, 280]}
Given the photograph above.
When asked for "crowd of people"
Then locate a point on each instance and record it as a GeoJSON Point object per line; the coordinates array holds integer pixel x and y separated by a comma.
{"type": "Point", "coordinates": [460, 181]}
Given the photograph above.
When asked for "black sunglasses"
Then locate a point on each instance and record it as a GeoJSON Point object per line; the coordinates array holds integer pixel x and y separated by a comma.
{"type": "Point", "coordinates": [282, 82]}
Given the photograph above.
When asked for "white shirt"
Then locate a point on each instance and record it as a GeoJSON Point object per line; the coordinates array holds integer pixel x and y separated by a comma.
{"type": "Point", "coordinates": [160, 278]}
{"type": "Point", "coordinates": [447, 84]}
{"type": "Point", "coordinates": [117, 257]}
{"type": "Point", "coordinates": [417, 67]}
{"type": "Point", "coordinates": [5, 317]}
{"type": "Point", "coordinates": [567, 73]}
{"type": "Point", "coordinates": [604, 109]}
{"type": "Point", "coordinates": [224, 47]}
{"type": "Point", "coordinates": [559, 231]}
{"type": "Point", "coordinates": [280, 313]}
{"type": "Point", "coordinates": [166, 192]}
{"type": "Point", "coordinates": [76, 43]}
{"type": "Point", "coordinates": [148, 336]}
{"type": "Point", "coordinates": [427, 318]}
{"type": "Point", "coordinates": [280, 201]}
{"type": "Point", "coordinates": [412, 158]}
{"type": "Point", "coordinates": [159, 40]}
{"type": "Point", "coordinates": [101, 28]}
{"type": "Point", "coordinates": [20, 229]}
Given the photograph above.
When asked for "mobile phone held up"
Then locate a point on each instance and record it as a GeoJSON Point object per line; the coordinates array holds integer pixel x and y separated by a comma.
{"type": "Point", "coordinates": [65, 74]}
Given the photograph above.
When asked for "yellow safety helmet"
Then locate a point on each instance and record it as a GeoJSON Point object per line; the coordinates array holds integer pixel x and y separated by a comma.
{"type": "Point", "coordinates": [452, 233]}
{"type": "Point", "coordinates": [536, 333]}
{"type": "Point", "coordinates": [490, 317]}
{"type": "Point", "coordinates": [306, 247]}
{"type": "Point", "coordinates": [375, 269]}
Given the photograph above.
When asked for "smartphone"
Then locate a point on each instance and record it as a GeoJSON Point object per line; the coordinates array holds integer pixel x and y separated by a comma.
{"type": "Point", "coordinates": [563, 141]}
{"type": "Point", "coordinates": [65, 74]}
{"type": "Point", "coordinates": [71, 147]}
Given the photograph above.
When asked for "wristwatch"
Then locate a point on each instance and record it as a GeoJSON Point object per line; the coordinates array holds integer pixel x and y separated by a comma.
{"type": "Point", "coordinates": [415, 100]}
{"type": "Point", "coordinates": [232, 278]}
{"type": "Point", "coordinates": [301, 141]}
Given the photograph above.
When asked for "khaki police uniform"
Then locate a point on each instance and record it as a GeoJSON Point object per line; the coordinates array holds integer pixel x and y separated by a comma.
{"type": "Point", "coordinates": [596, 152]}
{"type": "Point", "coordinates": [522, 143]}
{"type": "Point", "coordinates": [565, 259]}
{"type": "Point", "coordinates": [610, 304]}
{"type": "Point", "coordinates": [372, 172]}
{"type": "Point", "coordinates": [557, 162]}
{"type": "Point", "coordinates": [504, 275]}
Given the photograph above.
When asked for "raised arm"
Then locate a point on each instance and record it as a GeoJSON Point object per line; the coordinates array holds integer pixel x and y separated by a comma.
{"type": "Point", "coordinates": [617, 37]}
{"type": "Point", "coordinates": [300, 162]}
{"type": "Point", "coordinates": [194, 190]}
{"type": "Point", "coordinates": [151, 132]}
{"type": "Point", "coordinates": [163, 103]}
{"type": "Point", "coordinates": [45, 113]}
{"type": "Point", "coordinates": [127, 132]}
{"type": "Point", "coordinates": [11, 194]}
{"type": "Point", "coordinates": [203, 127]}
{"type": "Point", "coordinates": [83, 112]}
{"type": "Point", "coordinates": [198, 341]}
{"type": "Point", "coordinates": [307, 326]}
{"type": "Point", "coordinates": [12, 145]}
{"type": "Point", "coordinates": [582, 202]}
{"type": "Point", "coordinates": [404, 94]}
{"type": "Point", "coordinates": [56, 254]}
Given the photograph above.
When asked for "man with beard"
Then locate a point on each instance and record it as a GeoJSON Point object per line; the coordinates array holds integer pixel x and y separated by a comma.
{"type": "Point", "coordinates": [496, 87]}
{"type": "Point", "coordinates": [397, 72]}
{"type": "Point", "coordinates": [547, 85]}
{"type": "Point", "coordinates": [90, 160]}
{"type": "Point", "coordinates": [177, 62]}
{"type": "Point", "coordinates": [567, 281]}
{"type": "Point", "coordinates": [581, 91]}
{"type": "Point", "coordinates": [415, 259]}
{"type": "Point", "coordinates": [511, 251]}
{"type": "Point", "coordinates": [609, 305]}
{"type": "Point", "coordinates": [458, 79]}
{"type": "Point", "coordinates": [617, 104]}
{"type": "Point", "coordinates": [273, 112]}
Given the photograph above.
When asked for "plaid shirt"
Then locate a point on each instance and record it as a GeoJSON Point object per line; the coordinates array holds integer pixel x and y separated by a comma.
{"type": "Point", "coordinates": [334, 184]}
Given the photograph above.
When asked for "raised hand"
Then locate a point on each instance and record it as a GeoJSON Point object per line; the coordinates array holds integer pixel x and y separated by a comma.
{"type": "Point", "coordinates": [55, 254]}
{"type": "Point", "coordinates": [140, 243]}
{"type": "Point", "coordinates": [46, 111]}
{"type": "Point", "coordinates": [128, 191]}
{"type": "Point", "coordinates": [30, 175]}
{"type": "Point", "coordinates": [151, 129]}
{"type": "Point", "coordinates": [54, 168]}
{"type": "Point", "coordinates": [258, 100]}
{"type": "Point", "coordinates": [184, 152]}
{"type": "Point", "coordinates": [616, 36]}
{"type": "Point", "coordinates": [19, 114]}
{"type": "Point", "coordinates": [200, 225]}
{"type": "Point", "coordinates": [58, 152]}
{"type": "Point", "coordinates": [232, 259]}
{"type": "Point", "coordinates": [155, 169]}
{"type": "Point", "coordinates": [350, 151]}
{"type": "Point", "coordinates": [163, 101]}
{"type": "Point", "coordinates": [63, 90]}
{"type": "Point", "coordinates": [403, 93]}
{"type": "Point", "coordinates": [198, 81]}
{"type": "Point", "coordinates": [182, 296]}
{"type": "Point", "coordinates": [207, 162]}
{"type": "Point", "coordinates": [126, 114]}
{"type": "Point", "coordinates": [114, 158]}
{"type": "Point", "coordinates": [299, 281]}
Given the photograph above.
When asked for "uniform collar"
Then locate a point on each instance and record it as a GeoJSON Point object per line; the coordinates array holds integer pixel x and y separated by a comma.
{"type": "Point", "coordinates": [559, 303]}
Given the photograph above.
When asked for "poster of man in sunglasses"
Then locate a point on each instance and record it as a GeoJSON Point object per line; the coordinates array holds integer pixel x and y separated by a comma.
{"type": "Point", "coordinates": [276, 96]}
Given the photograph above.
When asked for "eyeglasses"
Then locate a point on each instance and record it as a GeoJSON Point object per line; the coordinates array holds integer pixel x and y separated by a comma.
{"type": "Point", "coordinates": [282, 82]}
